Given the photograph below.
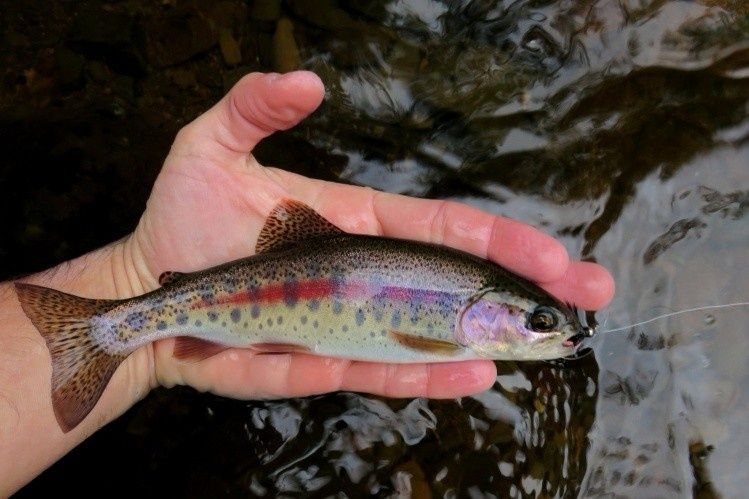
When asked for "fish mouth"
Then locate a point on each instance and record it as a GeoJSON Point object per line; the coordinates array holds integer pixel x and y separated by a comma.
{"type": "Point", "coordinates": [576, 339]}
{"type": "Point", "coordinates": [572, 341]}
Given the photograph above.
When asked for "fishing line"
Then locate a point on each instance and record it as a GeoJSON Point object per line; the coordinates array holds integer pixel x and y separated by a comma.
{"type": "Point", "coordinates": [591, 334]}
{"type": "Point", "coordinates": [672, 314]}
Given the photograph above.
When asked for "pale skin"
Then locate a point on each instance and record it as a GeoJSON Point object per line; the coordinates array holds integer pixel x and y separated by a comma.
{"type": "Point", "coordinates": [207, 207]}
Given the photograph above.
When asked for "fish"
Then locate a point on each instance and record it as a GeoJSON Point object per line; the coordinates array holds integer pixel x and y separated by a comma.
{"type": "Point", "coordinates": [310, 288]}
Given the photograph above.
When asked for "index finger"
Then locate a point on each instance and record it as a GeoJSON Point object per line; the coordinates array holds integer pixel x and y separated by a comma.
{"type": "Point", "coordinates": [513, 245]}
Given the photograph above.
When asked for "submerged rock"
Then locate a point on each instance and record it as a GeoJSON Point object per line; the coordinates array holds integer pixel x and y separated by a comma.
{"type": "Point", "coordinates": [178, 36]}
{"type": "Point", "coordinates": [285, 51]}
{"type": "Point", "coordinates": [266, 10]}
{"type": "Point", "coordinates": [230, 50]}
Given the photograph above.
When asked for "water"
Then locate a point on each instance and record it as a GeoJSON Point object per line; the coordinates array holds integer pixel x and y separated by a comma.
{"type": "Point", "coordinates": [621, 127]}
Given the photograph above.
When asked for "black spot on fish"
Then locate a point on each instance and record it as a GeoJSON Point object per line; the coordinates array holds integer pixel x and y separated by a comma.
{"type": "Point", "coordinates": [279, 320]}
{"type": "Point", "coordinates": [207, 295]}
{"type": "Point", "coordinates": [371, 334]}
{"type": "Point", "coordinates": [383, 333]}
{"type": "Point", "coordinates": [337, 307]}
{"type": "Point", "coordinates": [313, 305]}
{"type": "Point", "coordinates": [344, 328]}
{"type": "Point", "coordinates": [198, 323]}
{"type": "Point", "coordinates": [136, 320]}
{"type": "Point", "coordinates": [359, 317]}
{"type": "Point", "coordinates": [445, 307]}
{"type": "Point", "coordinates": [336, 284]}
{"type": "Point", "coordinates": [235, 315]}
{"type": "Point", "coordinates": [313, 269]}
{"type": "Point", "coordinates": [212, 316]}
{"type": "Point", "coordinates": [315, 324]}
{"type": "Point", "coordinates": [269, 321]}
{"type": "Point", "coordinates": [303, 319]}
{"type": "Point", "coordinates": [430, 328]}
{"type": "Point", "coordinates": [223, 323]}
{"type": "Point", "coordinates": [182, 318]}
{"type": "Point", "coordinates": [255, 311]}
{"type": "Point", "coordinates": [396, 320]}
{"type": "Point", "coordinates": [414, 308]}
{"type": "Point", "coordinates": [330, 330]}
{"type": "Point", "coordinates": [161, 325]}
{"type": "Point", "coordinates": [290, 293]}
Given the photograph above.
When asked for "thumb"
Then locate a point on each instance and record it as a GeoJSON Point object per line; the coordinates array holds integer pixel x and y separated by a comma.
{"type": "Point", "coordinates": [258, 105]}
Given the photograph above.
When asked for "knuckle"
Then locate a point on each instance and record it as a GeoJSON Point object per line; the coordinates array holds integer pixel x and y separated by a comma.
{"type": "Point", "coordinates": [438, 222]}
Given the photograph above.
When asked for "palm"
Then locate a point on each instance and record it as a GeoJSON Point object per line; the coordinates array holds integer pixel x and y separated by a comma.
{"type": "Point", "coordinates": [209, 204]}
{"type": "Point", "coordinates": [202, 214]}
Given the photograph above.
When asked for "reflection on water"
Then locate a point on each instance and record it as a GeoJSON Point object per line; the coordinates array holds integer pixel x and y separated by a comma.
{"type": "Point", "coordinates": [621, 127]}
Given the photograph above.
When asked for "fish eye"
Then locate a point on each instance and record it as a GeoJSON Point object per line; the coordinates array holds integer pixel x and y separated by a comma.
{"type": "Point", "coordinates": [543, 320]}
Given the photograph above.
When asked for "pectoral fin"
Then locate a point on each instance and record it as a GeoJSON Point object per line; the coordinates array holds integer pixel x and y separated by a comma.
{"type": "Point", "coordinates": [422, 344]}
{"type": "Point", "coordinates": [195, 349]}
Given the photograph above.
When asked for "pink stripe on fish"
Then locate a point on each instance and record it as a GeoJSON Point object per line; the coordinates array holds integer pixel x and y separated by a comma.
{"type": "Point", "coordinates": [316, 289]}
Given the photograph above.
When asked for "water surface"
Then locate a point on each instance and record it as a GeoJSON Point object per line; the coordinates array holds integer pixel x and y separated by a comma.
{"type": "Point", "coordinates": [620, 127]}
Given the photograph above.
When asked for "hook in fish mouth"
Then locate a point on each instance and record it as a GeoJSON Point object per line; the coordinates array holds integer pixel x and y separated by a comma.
{"type": "Point", "coordinates": [576, 339]}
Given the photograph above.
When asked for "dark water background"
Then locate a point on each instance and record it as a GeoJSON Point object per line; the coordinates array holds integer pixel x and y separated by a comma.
{"type": "Point", "coordinates": [621, 127]}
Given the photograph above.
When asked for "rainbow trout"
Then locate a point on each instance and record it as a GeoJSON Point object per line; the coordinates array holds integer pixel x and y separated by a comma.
{"type": "Point", "coordinates": [310, 288]}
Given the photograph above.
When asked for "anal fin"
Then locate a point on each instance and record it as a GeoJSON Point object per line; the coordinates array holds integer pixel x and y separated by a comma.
{"type": "Point", "coordinates": [195, 349]}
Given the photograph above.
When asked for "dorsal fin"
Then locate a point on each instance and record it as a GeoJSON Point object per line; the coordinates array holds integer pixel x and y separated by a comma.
{"type": "Point", "coordinates": [169, 277]}
{"type": "Point", "coordinates": [291, 222]}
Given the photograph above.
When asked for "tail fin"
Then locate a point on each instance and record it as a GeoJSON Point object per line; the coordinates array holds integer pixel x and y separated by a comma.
{"type": "Point", "coordinates": [81, 368]}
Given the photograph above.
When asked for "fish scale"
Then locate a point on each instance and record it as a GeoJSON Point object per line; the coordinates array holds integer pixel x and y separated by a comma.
{"type": "Point", "coordinates": [362, 288]}
{"type": "Point", "coordinates": [310, 288]}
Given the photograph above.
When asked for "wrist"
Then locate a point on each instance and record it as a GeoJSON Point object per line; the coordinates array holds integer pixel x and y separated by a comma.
{"type": "Point", "coordinates": [30, 437]}
{"type": "Point", "coordinates": [106, 273]}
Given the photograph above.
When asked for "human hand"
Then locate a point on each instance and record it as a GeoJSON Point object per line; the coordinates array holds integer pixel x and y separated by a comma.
{"type": "Point", "coordinates": [211, 200]}
{"type": "Point", "coordinates": [207, 207]}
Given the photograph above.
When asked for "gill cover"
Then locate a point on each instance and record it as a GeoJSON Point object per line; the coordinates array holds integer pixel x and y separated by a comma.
{"type": "Point", "coordinates": [502, 325]}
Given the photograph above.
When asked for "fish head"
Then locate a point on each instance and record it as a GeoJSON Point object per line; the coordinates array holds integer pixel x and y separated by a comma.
{"type": "Point", "coordinates": [504, 325]}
